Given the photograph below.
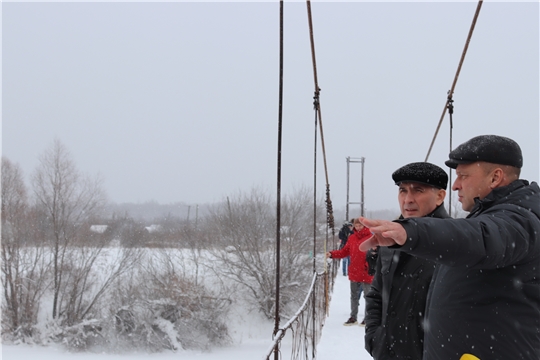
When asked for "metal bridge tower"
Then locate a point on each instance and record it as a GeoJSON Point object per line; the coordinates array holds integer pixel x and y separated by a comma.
{"type": "Point", "coordinates": [350, 160]}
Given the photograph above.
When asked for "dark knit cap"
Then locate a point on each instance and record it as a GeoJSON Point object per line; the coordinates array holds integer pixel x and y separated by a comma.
{"type": "Point", "coordinates": [488, 148]}
{"type": "Point", "coordinates": [421, 172]}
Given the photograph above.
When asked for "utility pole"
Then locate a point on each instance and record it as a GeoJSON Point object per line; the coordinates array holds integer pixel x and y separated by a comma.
{"type": "Point", "coordinates": [350, 160]}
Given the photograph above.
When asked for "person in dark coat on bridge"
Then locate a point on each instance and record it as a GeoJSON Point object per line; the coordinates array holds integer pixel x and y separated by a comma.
{"type": "Point", "coordinates": [484, 298]}
{"type": "Point", "coordinates": [395, 305]}
{"type": "Point", "coordinates": [344, 233]}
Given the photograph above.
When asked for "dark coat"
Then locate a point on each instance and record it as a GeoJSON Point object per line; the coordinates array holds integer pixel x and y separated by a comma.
{"type": "Point", "coordinates": [484, 298]}
{"type": "Point", "coordinates": [395, 305]}
{"type": "Point", "coordinates": [371, 257]}
{"type": "Point", "coordinates": [343, 235]}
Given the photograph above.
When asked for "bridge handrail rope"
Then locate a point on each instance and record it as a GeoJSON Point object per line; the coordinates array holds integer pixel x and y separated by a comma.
{"type": "Point", "coordinates": [449, 99]}
{"type": "Point", "coordinates": [301, 321]}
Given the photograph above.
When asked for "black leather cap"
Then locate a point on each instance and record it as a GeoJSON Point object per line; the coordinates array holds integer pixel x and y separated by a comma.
{"type": "Point", "coordinates": [488, 148]}
{"type": "Point", "coordinates": [422, 172]}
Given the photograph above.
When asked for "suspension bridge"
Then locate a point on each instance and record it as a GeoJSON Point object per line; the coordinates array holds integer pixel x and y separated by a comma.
{"type": "Point", "coordinates": [309, 321]}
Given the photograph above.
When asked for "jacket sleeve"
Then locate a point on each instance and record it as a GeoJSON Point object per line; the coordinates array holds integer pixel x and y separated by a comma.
{"type": "Point", "coordinates": [373, 316]}
{"type": "Point", "coordinates": [341, 253]}
{"type": "Point", "coordinates": [499, 237]}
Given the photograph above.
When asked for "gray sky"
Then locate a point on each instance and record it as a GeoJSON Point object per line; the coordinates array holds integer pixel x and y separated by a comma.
{"type": "Point", "coordinates": [178, 101]}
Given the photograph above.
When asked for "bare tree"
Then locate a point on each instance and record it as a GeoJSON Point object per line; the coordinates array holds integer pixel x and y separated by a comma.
{"type": "Point", "coordinates": [245, 253]}
{"type": "Point", "coordinates": [68, 200]}
{"type": "Point", "coordinates": [23, 267]}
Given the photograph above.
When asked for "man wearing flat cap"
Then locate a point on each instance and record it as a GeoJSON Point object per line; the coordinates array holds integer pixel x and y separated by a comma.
{"type": "Point", "coordinates": [484, 298]}
{"type": "Point", "coordinates": [395, 305]}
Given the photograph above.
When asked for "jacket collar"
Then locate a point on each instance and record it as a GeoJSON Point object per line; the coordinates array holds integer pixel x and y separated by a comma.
{"type": "Point", "coordinates": [364, 232]}
{"type": "Point", "coordinates": [439, 212]}
{"type": "Point", "coordinates": [495, 195]}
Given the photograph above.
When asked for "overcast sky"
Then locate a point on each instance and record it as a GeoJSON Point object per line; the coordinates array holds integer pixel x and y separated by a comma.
{"type": "Point", "coordinates": [178, 101]}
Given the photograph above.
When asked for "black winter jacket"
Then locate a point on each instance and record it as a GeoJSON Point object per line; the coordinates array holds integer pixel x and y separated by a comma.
{"type": "Point", "coordinates": [343, 235]}
{"type": "Point", "coordinates": [484, 298]}
{"type": "Point", "coordinates": [395, 305]}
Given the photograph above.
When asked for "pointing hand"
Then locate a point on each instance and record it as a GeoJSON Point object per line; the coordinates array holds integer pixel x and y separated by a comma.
{"type": "Point", "coordinates": [385, 233]}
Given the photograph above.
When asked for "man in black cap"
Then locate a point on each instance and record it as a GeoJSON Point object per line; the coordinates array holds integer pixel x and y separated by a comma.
{"type": "Point", "coordinates": [484, 298]}
{"type": "Point", "coordinates": [395, 305]}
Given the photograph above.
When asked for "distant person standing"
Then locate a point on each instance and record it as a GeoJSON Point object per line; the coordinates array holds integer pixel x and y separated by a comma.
{"type": "Point", "coordinates": [358, 269]}
{"type": "Point", "coordinates": [344, 233]}
{"type": "Point", "coordinates": [395, 305]}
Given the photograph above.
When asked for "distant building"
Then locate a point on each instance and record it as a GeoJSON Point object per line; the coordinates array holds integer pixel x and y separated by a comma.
{"type": "Point", "coordinates": [99, 229]}
{"type": "Point", "coordinates": [153, 228]}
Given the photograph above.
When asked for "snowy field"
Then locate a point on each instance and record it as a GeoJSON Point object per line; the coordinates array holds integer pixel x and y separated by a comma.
{"type": "Point", "coordinates": [252, 340]}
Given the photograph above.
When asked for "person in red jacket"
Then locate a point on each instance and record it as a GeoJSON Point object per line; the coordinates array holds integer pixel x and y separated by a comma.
{"type": "Point", "coordinates": [358, 268]}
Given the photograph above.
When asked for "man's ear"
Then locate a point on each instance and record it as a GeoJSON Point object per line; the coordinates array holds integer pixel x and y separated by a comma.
{"type": "Point", "coordinates": [497, 178]}
{"type": "Point", "coordinates": [441, 194]}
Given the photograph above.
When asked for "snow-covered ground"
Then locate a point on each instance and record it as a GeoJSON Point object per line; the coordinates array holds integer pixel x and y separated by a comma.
{"type": "Point", "coordinates": [337, 341]}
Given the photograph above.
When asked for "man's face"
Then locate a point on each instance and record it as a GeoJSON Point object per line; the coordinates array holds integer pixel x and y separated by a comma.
{"type": "Point", "coordinates": [417, 200]}
{"type": "Point", "coordinates": [472, 181]}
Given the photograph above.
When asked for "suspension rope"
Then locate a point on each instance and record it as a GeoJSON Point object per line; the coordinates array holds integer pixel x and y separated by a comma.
{"type": "Point", "coordinates": [329, 210]}
{"type": "Point", "coordinates": [318, 115]}
{"type": "Point", "coordinates": [315, 104]}
{"type": "Point", "coordinates": [278, 196]}
{"type": "Point", "coordinates": [451, 91]}
{"type": "Point", "coordinates": [450, 113]}
{"type": "Point", "coordinates": [313, 302]}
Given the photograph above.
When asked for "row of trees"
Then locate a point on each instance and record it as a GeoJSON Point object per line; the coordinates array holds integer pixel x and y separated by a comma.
{"type": "Point", "coordinates": [45, 243]}
{"type": "Point", "coordinates": [90, 292]}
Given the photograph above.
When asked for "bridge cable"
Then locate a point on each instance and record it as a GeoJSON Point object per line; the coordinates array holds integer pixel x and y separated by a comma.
{"type": "Point", "coordinates": [278, 196]}
{"type": "Point", "coordinates": [318, 115]}
{"type": "Point", "coordinates": [449, 99]}
{"type": "Point", "coordinates": [450, 113]}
